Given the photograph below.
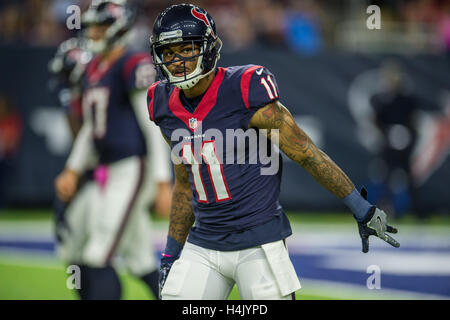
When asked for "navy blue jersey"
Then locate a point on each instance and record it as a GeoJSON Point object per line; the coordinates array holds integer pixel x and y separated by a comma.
{"type": "Point", "coordinates": [235, 206]}
{"type": "Point", "coordinates": [106, 101]}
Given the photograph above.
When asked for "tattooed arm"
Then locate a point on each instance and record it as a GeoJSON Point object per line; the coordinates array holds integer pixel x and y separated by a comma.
{"type": "Point", "coordinates": [181, 219]}
{"type": "Point", "coordinates": [296, 144]}
{"type": "Point", "coordinates": [181, 212]}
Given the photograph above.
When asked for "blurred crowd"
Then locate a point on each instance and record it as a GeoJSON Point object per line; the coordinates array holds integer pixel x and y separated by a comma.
{"type": "Point", "coordinates": [304, 26]}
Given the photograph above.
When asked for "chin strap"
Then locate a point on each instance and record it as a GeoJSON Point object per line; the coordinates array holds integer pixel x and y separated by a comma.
{"type": "Point", "coordinates": [191, 83]}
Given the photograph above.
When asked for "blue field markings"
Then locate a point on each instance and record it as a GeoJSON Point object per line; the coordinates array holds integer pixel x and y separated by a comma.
{"type": "Point", "coordinates": [310, 266]}
{"type": "Point", "coordinates": [420, 266]}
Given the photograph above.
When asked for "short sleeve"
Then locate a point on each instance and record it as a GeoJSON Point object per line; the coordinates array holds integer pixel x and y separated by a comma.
{"type": "Point", "coordinates": [138, 72]}
{"type": "Point", "coordinates": [259, 87]}
{"type": "Point", "coordinates": [150, 98]}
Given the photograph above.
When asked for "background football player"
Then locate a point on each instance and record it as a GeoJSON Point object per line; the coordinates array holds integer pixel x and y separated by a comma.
{"type": "Point", "coordinates": [67, 68]}
{"type": "Point", "coordinates": [133, 168]}
{"type": "Point", "coordinates": [240, 227]}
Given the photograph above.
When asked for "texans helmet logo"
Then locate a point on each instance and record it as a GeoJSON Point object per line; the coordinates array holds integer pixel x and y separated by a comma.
{"type": "Point", "coordinates": [201, 16]}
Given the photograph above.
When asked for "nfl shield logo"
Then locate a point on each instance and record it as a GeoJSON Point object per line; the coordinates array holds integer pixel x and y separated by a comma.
{"type": "Point", "coordinates": [193, 123]}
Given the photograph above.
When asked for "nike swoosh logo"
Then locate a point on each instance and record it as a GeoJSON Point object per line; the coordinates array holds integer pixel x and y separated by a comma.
{"type": "Point", "coordinates": [259, 71]}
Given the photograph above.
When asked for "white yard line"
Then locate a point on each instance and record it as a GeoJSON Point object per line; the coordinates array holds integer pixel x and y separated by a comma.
{"type": "Point", "coordinates": [345, 291]}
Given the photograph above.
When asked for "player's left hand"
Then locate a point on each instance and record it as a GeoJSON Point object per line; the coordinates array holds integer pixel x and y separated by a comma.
{"type": "Point", "coordinates": [375, 224]}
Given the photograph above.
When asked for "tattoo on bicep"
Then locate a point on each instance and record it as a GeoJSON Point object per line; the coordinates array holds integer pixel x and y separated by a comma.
{"type": "Point", "coordinates": [292, 140]}
{"type": "Point", "coordinates": [270, 117]}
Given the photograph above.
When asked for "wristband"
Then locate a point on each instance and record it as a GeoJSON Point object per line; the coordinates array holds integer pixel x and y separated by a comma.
{"type": "Point", "coordinates": [357, 204]}
{"type": "Point", "coordinates": [173, 248]}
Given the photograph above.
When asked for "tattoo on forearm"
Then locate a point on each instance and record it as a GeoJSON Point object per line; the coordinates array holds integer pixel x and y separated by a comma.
{"type": "Point", "coordinates": [181, 215]}
{"type": "Point", "coordinates": [296, 144]}
{"type": "Point", "coordinates": [328, 174]}
{"type": "Point", "coordinates": [181, 212]}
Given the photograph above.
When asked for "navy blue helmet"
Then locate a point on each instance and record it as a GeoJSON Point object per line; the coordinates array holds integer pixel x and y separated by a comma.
{"type": "Point", "coordinates": [67, 68]}
{"type": "Point", "coordinates": [185, 23]}
{"type": "Point", "coordinates": [116, 14]}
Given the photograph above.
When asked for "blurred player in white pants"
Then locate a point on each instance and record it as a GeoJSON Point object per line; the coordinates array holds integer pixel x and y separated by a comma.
{"type": "Point", "coordinates": [109, 218]}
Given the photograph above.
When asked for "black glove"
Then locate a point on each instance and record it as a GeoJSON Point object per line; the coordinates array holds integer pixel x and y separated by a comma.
{"type": "Point", "coordinates": [166, 264]}
{"type": "Point", "coordinates": [375, 224]}
{"type": "Point", "coordinates": [60, 222]}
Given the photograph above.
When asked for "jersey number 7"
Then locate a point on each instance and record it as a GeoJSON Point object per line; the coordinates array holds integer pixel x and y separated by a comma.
{"type": "Point", "coordinates": [95, 104]}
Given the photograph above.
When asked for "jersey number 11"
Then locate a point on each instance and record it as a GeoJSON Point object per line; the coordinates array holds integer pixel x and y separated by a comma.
{"type": "Point", "coordinates": [209, 155]}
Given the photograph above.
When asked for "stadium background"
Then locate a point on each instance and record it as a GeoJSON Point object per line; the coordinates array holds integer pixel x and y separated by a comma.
{"type": "Point", "coordinates": [328, 64]}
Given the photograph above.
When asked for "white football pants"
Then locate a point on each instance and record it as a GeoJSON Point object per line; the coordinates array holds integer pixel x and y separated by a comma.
{"type": "Point", "coordinates": [263, 272]}
{"type": "Point", "coordinates": [111, 221]}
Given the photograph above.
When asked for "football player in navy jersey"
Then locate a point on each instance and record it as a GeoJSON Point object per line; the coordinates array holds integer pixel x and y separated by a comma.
{"type": "Point", "coordinates": [66, 69]}
{"type": "Point", "coordinates": [226, 223]}
{"type": "Point", "coordinates": [112, 227]}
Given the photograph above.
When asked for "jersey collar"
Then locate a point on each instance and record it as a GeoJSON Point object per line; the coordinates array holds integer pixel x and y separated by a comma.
{"type": "Point", "coordinates": [193, 120]}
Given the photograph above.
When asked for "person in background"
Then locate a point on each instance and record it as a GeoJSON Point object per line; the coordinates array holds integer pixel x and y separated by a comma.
{"type": "Point", "coordinates": [395, 114]}
{"type": "Point", "coordinates": [132, 161]}
{"type": "Point", "coordinates": [11, 128]}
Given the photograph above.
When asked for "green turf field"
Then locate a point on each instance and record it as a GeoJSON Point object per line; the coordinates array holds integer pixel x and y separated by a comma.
{"type": "Point", "coordinates": [294, 217]}
{"type": "Point", "coordinates": [32, 277]}
{"type": "Point", "coordinates": [24, 282]}
{"type": "Point", "coordinates": [23, 277]}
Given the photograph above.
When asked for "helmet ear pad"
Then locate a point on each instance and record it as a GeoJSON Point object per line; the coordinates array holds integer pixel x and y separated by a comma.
{"type": "Point", "coordinates": [212, 54]}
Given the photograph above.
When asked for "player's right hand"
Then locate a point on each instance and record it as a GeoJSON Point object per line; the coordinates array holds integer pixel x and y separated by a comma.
{"type": "Point", "coordinates": [163, 199]}
{"type": "Point", "coordinates": [166, 264]}
{"type": "Point", "coordinates": [66, 184]}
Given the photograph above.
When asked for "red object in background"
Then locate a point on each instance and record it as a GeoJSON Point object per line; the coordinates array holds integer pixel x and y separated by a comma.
{"type": "Point", "coordinates": [10, 134]}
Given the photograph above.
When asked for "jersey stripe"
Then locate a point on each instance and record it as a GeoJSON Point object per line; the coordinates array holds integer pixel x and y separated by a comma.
{"type": "Point", "coordinates": [206, 104]}
{"type": "Point", "coordinates": [245, 83]}
{"type": "Point", "coordinates": [126, 216]}
{"type": "Point", "coordinates": [150, 94]}
{"type": "Point", "coordinates": [94, 74]}
{"type": "Point", "coordinates": [133, 61]}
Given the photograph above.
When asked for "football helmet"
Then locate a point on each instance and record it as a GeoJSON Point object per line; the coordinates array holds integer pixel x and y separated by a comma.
{"type": "Point", "coordinates": [70, 60]}
{"type": "Point", "coordinates": [113, 13]}
{"type": "Point", "coordinates": [185, 23]}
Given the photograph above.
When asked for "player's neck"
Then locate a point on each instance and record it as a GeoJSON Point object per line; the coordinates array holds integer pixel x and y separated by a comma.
{"type": "Point", "coordinates": [201, 87]}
